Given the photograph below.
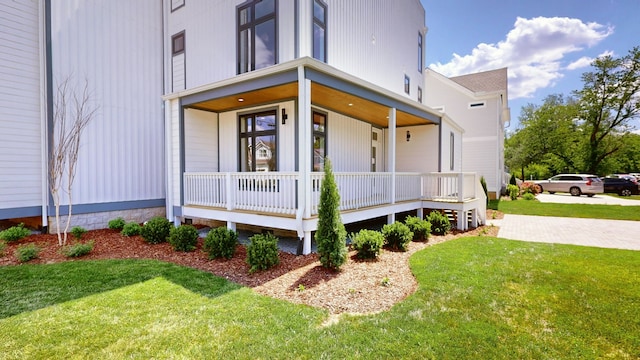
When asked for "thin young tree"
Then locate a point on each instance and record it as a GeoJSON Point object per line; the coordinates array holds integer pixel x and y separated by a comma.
{"type": "Point", "coordinates": [331, 235]}
{"type": "Point", "coordinates": [72, 112]}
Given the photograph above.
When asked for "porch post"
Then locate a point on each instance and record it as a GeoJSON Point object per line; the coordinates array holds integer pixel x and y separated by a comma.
{"type": "Point", "coordinates": [392, 160]}
{"type": "Point", "coordinates": [304, 157]}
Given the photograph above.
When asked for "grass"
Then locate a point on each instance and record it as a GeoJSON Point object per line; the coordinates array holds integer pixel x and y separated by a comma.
{"type": "Point", "coordinates": [478, 297]}
{"type": "Point", "coordinates": [590, 211]}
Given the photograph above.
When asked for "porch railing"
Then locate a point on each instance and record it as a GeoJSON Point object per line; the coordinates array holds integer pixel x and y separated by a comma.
{"type": "Point", "coordinates": [276, 192]}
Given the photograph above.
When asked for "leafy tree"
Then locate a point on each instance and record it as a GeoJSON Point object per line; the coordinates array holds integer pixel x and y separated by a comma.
{"type": "Point", "coordinates": [609, 100]}
{"type": "Point", "coordinates": [331, 235]}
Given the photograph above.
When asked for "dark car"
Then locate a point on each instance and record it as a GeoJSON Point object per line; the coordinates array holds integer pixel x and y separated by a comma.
{"type": "Point", "coordinates": [621, 186]}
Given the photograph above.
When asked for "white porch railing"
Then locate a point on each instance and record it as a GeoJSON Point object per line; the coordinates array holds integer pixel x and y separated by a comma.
{"type": "Point", "coordinates": [276, 192]}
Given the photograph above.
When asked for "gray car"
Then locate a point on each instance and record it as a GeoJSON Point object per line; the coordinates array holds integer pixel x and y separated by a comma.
{"type": "Point", "coordinates": [575, 184]}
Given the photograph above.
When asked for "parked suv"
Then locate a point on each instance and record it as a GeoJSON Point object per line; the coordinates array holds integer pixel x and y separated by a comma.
{"type": "Point", "coordinates": [621, 186]}
{"type": "Point", "coordinates": [575, 184]}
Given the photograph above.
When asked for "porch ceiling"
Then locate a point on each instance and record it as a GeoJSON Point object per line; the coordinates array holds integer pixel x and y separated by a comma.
{"type": "Point", "coordinates": [321, 95]}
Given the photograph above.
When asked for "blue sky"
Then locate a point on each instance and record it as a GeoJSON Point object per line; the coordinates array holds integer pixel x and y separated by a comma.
{"type": "Point", "coordinates": [546, 44]}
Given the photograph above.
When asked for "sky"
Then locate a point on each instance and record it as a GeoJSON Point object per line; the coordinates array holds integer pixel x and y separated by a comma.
{"type": "Point", "coordinates": [546, 44]}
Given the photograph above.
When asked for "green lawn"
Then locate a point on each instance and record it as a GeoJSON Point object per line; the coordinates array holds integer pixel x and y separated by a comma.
{"type": "Point", "coordinates": [479, 298]}
{"type": "Point", "coordinates": [532, 207]}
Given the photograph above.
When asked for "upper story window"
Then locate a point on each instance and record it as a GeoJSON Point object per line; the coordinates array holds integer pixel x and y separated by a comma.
{"type": "Point", "coordinates": [419, 94]}
{"type": "Point", "coordinates": [319, 30]}
{"type": "Point", "coordinates": [420, 52]}
{"type": "Point", "coordinates": [407, 84]}
{"type": "Point", "coordinates": [257, 35]}
{"type": "Point", "coordinates": [258, 141]}
{"type": "Point", "coordinates": [177, 44]}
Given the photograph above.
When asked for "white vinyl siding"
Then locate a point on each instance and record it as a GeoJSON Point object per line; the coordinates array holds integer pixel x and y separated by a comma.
{"type": "Point", "coordinates": [201, 141]}
{"type": "Point", "coordinates": [116, 46]}
{"type": "Point", "coordinates": [349, 143]}
{"type": "Point", "coordinates": [420, 154]}
{"type": "Point", "coordinates": [20, 106]}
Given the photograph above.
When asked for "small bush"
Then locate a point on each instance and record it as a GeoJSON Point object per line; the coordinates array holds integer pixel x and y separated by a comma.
{"type": "Point", "coordinates": [117, 224]}
{"type": "Point", "coordinates": [397, 235]}
{"type": "Point", "coordinates": [156, 230]}
{"type": "Point", "coordinates": [78, 231]}
{"type": "Point", "coordinates": [77, 250]}
{"type": "Point", "coordinates": [368, 243]}
{"type": "Point", "coordinates": [131, 229]}
{"type": "Point", "coordinates": [220, 243]}
{"type": "Point", "coordinates": [420, 228]}
{"type": "Point", "coordinates": [513, 191]}
{"type": "Point", "coordinates": [529, 196]}
{"type": "Point", "coordinates": [3, 245]}
{"type": "Point", "coordinates": [483, 183]}
{"type": "Point", "coordinates": [183, 238]}
{"type": "Point", "coordinates": [15, 233]}
{"type": "Point", "coordinates": [28, 252]}
{"type": "Point", "coordinates": [529, 188]}
{"type": "Point", "coordinates": [513, 180]}
{"type": "Point", "coordinates": [440, 224]}
{"type": "Point", "coordinates": [262, 252]}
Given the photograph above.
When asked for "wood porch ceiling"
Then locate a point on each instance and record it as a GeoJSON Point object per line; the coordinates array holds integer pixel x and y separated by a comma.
{"type": "Point", "coordinates": [323, 96]}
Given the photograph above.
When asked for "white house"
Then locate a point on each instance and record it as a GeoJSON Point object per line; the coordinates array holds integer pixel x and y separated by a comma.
{"type": "Point", "coordinates": [223, 111]}
{"type": "Point", "coordinates": [479, 103]}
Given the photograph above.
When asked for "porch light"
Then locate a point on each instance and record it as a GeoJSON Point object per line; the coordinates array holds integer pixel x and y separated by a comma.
{"type": "Point", "coordinates": [284, 116]}
{"type": "Point", "coordinates": [408, 135]}
{"type": "Point", "coordinates": [240, 99]}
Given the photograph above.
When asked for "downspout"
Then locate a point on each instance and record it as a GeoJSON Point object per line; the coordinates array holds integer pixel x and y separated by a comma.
{"type": "Point", "coordinates": [46, 103]}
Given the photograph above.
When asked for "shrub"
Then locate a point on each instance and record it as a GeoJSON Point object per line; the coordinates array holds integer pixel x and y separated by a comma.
{"type": "Point", "coordinates": [513, 191]}
{"type": "Point", "coordinates": [156, 230]}
{"type": "Point", "coordinates": [483, 183]}
{"type": "Point", "coordinates": [220, 243]}
{"type": "Point", "coordinates": [117, 224]}
{"type": "Point", "coordinates": [440, 224]}
{"type": "Point", "coordinates": [28, 252]}
{"type": "Point", "coordinates": [183, 238]}
{"type": "Point", "coordinates": [331, 236]}
{"type": "Point", "coordinates": [397, 235]}
{"type": "Point", "coordinates": [77, 250]}
{"type": "Point", "coordinates": [529, 196]}
{"type": "Point", "coordinates": [368, 243]}
{"type": "Point", "coordinates": [78, 231]}
{"type": "Point", "coordinates": [15, 233]}
{"type": "Point", "coordinates": [3, 245]}
{"type": "Point", "coordinates": [131, 229]}
{"type": "Point", "coordinates": [262, 252]}
{"type": "Point", "coordinates": [513, 180]}
{"type": "Point", "coordinates": [530, 188]}
{"type": "Point", "coordinates": [420, 228]}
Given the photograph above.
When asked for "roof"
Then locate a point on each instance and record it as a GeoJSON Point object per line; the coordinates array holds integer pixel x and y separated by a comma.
{"type": "Point", "coordinates": [486, 81]}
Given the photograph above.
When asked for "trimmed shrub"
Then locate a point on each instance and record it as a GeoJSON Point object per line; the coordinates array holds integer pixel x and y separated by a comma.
{"type": "Point", "coordinates": [117, 224]}
{"type": "Point", "coordinates": [220, 242]}
{"type": "Point", "coordinates": [131, 229]}
{"type": "Point", "coordinates": [183, 238]}
{"type": "Point", "coordinates": [77, 250]}
{"type": "Point", "coordinates": [397, 235]}
{"type": "Point", "coordinates": [513, 191]}
{"type": "Point", "coordinates": [529, 188]}
{"type": "Point", "coordinates": [78, 231]}
{"type": "Point", "coordinates": [15, 233]}
{"type": "Point", "coordinates": [262, 252]}
{"type": "Point", "coordinates": [420, 228]}
{"type": "Point", "coordinates": [528, 196]}
{"type": "Point", "coordinates": [483, 183]}
{"type": "Point", "coordinates": [513, 180]}
{"type": "Point", "coordinates": [27, 252]}
{"type": "Point", "coordinates": [440, 224]}
{"type": "Point", "coordinates": [156, 230]}
{"type": "Point", "coordinates": [368, 243]}
{"type": "Point", "coordinates": [331, 236]}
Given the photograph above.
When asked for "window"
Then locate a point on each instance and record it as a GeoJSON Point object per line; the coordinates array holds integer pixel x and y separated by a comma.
{"type": "Point", "coordinates": [420, 52]}
{"type": "Point", "coordinates": [407, 84]}
{"type": "Point", "coordinates": [177, 44]}
{"type": "Point", "coordinates": [258, 141]}
{"type": "Point", "coordinates": [452, 151]}
{"type": "Point", "coordinates": [476, 105]}
{"type": "Point", "coordinates": [319, 140]}
{"type": "Point", "coordinates": [319, 30]}
{"type": "Point", "coordinates": [257, 37]}
{"type": "Point", "coordinates": [419, 94]}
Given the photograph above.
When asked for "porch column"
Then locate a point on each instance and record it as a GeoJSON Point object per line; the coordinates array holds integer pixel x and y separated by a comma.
{"type": "Point", "coordinates": [304, 157]}
{"type": "Point", "coordinates": [392, 160]}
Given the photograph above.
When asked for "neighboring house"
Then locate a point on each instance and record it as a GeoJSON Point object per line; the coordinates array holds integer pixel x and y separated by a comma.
{"type": "Point", "coordinates": [479, 103]}
{"type": "Point", "coordinates": [116, 46]}
{"type": "Point", "coordinates": [305, 78]}
{"type": "Point", "coordinates": [222, 111]}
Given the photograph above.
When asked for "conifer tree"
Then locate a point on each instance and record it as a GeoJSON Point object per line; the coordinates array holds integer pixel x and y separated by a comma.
{"type": "Point", "coordinates": [331, 235]}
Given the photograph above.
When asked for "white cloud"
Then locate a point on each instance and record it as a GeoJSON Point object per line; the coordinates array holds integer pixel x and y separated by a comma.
{"type": "Point", "coordinates": [583, 62]}
{"type": "Point", "coordinates": [533, 51]}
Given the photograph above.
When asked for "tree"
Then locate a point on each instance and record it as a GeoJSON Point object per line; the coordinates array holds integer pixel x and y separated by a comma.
{"type": "Point", "coordinates": [331, 235]}
{"type": "Point", "coordinates": [72, 112]}
{"type": "Point", "coordinates": [609, 101]}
